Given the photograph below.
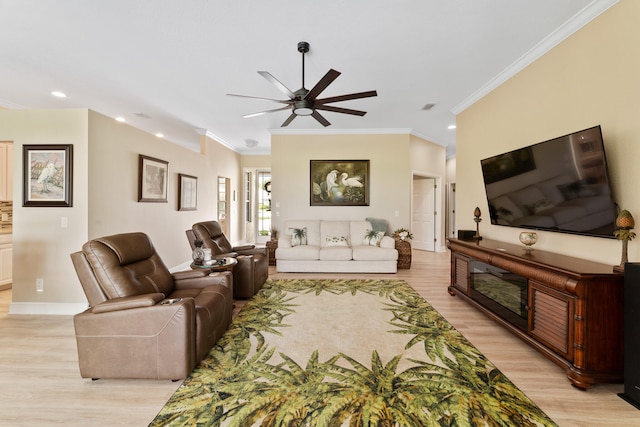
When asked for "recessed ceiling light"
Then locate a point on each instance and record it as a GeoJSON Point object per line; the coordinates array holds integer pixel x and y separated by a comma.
{"type": "Point", "coordinates": [59, 94]}
{"type": "Point", "coordinates": [160, 135]}
{"type": "Point", "coordinates": [451, 127]}
{"type": "Point", "coordinates": [120, 119]}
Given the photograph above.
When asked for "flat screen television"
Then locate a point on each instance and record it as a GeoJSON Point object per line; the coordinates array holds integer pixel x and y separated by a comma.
{"type": "Point", "coordinates": [557, 185]}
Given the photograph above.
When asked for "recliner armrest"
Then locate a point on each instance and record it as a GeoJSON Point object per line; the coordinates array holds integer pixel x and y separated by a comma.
{"type": "Point", "coordinates": [126, 303]}
{"type": "Point", "coordinates": [210, 279]}
{"type": "Point", "coordinates": [243, 248]}
{"type": "Point", "coordinates": [225, 255]}
{"type": "Point", "coordinates": [253, 251]}
{"type": "Point", "coordinates": [190, 274]}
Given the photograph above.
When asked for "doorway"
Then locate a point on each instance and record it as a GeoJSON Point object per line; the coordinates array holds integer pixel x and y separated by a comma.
{"type": "Point", "coordinates": [451, 210]}
{"type": "Point", "coordinates": [224, 185]}
{"type": "Point", "coordinates": [423, 213]}
{"type": "Point", "coordinates": [263, 210]}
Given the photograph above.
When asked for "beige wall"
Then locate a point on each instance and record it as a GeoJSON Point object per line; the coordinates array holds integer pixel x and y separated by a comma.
{"type": "Point", "coordinates": [589, 79]}
{"type": "Point", "coordinates": [41, 247]}
{"type": "Point", "coordinates": [105, 199]}
{"type": "Point", "coordinates": [391, 167]}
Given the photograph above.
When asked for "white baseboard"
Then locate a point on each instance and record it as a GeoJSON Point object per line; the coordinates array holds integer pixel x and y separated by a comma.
{"type": "Point", "coordinates": [65, 308]}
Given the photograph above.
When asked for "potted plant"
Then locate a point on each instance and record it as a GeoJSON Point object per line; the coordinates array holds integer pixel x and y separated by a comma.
{"type": "Point", "coordinates": [402, 234]}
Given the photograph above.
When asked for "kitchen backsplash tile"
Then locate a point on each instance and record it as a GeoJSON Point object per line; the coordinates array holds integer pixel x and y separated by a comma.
{"type": "Point", "coordinates": [6, 212]}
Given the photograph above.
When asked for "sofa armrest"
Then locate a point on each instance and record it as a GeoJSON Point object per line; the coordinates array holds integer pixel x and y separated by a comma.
{"type": "Point", "coordinates": [220, 278]}
{"type": "Point", "coordinates": [284, 242]}
{"type": "Point", "coordinates": [387, 242]}
{"type": "Point", "coordinates": [127, 303]}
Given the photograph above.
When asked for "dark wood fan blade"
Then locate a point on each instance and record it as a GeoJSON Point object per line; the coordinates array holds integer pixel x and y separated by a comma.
{"type": "Point", "coordinates": [340, 110]}
{"type": "Point", "coordinates": [324, 122]}
{"type": "Point", "coordinates": [265, 112]}
{"type": "Point", "coordinates": [281, 101]}
{"type": "Point", "coordinates": [358, 95]}
{"type": "Point", "coordinates": [322, 84]}
{"type": "Point", "coordinates": [277, 84]}
{"type": "Point", "coordinates": [289, 120]}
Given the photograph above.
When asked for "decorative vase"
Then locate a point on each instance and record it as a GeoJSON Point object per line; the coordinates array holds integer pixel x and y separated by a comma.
{"type": "Point", "coordinates": [528, 239]}
{"type": "Point", "coordinates": [198, 253]}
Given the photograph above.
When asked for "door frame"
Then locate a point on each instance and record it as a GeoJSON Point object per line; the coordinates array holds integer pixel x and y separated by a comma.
{"type": "Point", "coordinates": [439, 244]}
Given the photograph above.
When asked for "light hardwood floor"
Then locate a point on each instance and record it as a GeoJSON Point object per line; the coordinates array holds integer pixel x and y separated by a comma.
{"type": "Point", "coordinates": [40, 384]}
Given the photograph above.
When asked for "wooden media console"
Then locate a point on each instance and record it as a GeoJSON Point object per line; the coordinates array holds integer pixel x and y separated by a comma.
{"type": "Point", "coordinates": [569, 309]}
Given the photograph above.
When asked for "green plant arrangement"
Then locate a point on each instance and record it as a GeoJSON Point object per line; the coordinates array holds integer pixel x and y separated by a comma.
{"type": "Point", "coordinates": [402, 234]}
{"type": "Point", "coordinates": [624, 225]}
{"type": "Point", "coordinates": [274, 233]}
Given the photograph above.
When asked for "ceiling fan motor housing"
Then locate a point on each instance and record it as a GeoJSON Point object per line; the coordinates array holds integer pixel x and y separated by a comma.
{"type": "Point", "coordinates": [303, 47]}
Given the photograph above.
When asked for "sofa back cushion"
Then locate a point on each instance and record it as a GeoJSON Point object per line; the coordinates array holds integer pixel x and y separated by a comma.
{"type": "Point", "coordinates": [127, 265]}
{"type": "Point", "coordinates": [358, 231]}
{"type": "Point", "coordinates": [313, 231]}
{"type": "Point", "coordinates": [334, 231]}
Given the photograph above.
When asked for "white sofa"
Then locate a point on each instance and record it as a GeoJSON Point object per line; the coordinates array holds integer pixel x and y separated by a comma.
{"type": "Point", "coordinates": [334, 247]}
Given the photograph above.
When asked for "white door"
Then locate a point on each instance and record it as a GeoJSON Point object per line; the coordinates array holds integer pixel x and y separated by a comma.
{"type": "Point", "coordinates": [424, 210]}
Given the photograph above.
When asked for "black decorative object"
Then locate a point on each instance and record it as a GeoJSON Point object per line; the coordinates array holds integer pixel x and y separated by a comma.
{"type": "Point", "coordinates": [477, 219]}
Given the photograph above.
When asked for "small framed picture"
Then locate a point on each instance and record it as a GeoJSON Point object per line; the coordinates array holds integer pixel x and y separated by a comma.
{"type": "Point", "coordinates": [152, 179]}
{"type": "Point", "coordinates": [187, 192]}
{"type": "Point", "coordinates": [48, 175]}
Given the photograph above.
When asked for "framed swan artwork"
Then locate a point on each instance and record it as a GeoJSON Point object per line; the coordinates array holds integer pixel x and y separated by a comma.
{"type": "Point", "coordinates": [339, 182]}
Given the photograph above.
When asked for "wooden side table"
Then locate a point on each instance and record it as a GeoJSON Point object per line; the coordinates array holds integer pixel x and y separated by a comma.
{"type": "Point", "coordinates": [272, 245]}
{"type": "Point", "coordinates": [404, 253]}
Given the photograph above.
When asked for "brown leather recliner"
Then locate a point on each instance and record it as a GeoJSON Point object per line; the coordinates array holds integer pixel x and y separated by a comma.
{"type": "Point", "coordinates": [143, 321]}
{"type": "Point", "coordinates": [252, 269]}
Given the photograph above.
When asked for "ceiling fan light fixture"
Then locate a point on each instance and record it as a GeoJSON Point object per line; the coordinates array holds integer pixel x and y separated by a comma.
{"type": "Point", "coordinates": [303, 108]}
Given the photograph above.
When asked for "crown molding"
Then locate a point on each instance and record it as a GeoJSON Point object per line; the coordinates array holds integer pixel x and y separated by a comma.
{"type": "Point", "coordinates": [390, 131]}
{"type": "Point", "coordinates": [217, 139]}
{"type": "Point", "coordinates": [579, 20]}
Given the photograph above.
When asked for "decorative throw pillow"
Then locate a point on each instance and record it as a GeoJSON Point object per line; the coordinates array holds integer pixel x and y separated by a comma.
{"type": "Point", "coordinates": [372, 237]}
{"type": "Point", "coordinates": [378, 224]}
{"type": "Point", "coordinates": [298, 236]}
{"type": "Point", "coordinates": [336, 241]}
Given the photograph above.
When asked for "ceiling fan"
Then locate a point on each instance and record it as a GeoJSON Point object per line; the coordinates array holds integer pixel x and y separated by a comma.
{"type": "Point", "coordinates": [305, 102]}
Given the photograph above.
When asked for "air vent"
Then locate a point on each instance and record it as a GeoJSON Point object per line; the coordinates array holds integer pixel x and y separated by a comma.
{"type": "Point", "coordinates": [428, 106]}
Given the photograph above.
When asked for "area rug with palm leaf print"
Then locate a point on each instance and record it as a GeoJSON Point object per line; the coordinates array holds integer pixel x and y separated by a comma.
{"type": "Point", "coordinates": [345, 353]}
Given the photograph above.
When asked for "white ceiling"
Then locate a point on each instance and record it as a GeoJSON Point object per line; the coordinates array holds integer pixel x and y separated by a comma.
{"type": "Point", "coordinates": [167, 65]}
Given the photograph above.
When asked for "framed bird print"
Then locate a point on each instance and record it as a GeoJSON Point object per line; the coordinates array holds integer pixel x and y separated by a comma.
{"type": "Point", "coordinates": [339, 182]}
{"type": "Point", "coordinates": [48, 175]}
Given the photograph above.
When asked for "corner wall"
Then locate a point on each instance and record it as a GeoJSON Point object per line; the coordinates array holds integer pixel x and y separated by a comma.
{"type": "Point", "coordinates": [589, 79]}
{"type": "Point", "coordinates": [105, 187]}
{"type": "Point", "coordinates": [391, 168]}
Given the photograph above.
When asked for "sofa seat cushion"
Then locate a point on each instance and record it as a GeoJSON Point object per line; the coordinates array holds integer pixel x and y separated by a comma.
{"type": "Point", "coordinates": [374, 253]}
{"type": "Point", "coordinates": [305, 252]}
{"type": "Point", "coordinates": [335, 253]}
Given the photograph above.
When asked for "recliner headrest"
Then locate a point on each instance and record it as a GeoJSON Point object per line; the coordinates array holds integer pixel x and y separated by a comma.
{"type": "Point", "coordinates": [129, 247]}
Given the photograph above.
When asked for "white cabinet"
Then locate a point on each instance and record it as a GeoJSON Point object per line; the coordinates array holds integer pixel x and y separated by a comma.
{"type": "Point", "coordinates": [6, 255]}
{"type": "Point", "coordinates": [6, 171]}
